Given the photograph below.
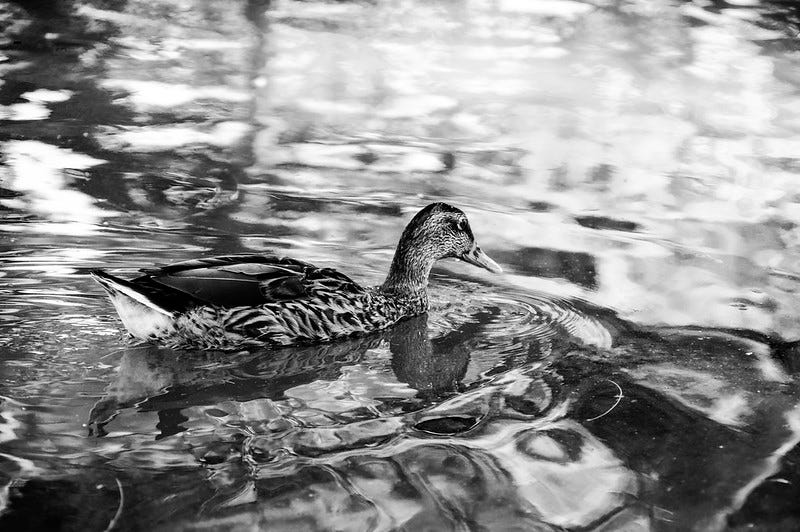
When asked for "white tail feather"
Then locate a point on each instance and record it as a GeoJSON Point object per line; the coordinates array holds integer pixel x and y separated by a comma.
{"type": "Point", "coordinates": [142, 321]}
{"type": "Point", "coordinates": [142, 317]}
{"type": "Point", "coordinates": [140, 298]}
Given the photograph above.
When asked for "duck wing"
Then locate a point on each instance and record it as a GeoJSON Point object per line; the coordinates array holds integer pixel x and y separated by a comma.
{"type": "Point", "coordinates": [248, 280]}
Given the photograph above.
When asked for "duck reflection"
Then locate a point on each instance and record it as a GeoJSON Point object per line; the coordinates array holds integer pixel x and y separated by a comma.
{"type": "Point", "coordinates": [153, 378]}
{"type": "Point", "coordinates": [435, 365]}
{"type": "Point", "coordinates": [159, 379]}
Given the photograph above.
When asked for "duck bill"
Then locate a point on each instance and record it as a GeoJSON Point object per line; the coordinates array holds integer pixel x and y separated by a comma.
{"type": "Point", "coordinates": [477, 257]}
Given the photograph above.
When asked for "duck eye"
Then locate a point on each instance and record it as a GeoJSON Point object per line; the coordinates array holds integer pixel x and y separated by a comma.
{"type": "Point", "coordinates": [460, 225]}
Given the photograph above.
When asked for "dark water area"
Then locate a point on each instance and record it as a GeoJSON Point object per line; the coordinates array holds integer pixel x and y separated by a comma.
{"type": "Point", "coordinates": [632, 165]}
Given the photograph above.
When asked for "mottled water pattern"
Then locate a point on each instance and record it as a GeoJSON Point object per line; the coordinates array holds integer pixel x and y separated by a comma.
{"type": "Point", "coordinates": [632, 165]}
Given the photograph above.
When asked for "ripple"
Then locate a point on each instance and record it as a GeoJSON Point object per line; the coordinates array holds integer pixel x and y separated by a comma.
{"type": "Point", "coordinates": [506, 323]}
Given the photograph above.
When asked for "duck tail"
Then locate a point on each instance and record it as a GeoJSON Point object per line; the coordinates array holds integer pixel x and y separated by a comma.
{"type": "Point", "coordinates": [142, 316]}
{"type": "Point", "coordinates": [117, 287]}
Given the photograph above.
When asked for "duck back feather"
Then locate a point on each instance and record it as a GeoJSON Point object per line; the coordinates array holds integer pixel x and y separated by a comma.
{"type": "Point", "coordinates": [230, 300]}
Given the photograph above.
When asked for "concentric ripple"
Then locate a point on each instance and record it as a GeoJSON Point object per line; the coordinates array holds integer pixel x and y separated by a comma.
{"type": "Point", "coordinates": [503, 323]}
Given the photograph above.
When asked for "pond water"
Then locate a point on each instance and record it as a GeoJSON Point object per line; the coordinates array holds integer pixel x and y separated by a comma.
{"type": "Point", "coordinates": [632, 165]}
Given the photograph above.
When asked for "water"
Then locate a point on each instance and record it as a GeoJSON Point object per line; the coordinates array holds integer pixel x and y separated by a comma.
{"type": "Point", "coordinates": [632, 165]}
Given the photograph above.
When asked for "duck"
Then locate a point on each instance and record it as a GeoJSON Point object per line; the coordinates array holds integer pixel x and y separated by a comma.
{"type": "Point", "coordinates": [238, 301]}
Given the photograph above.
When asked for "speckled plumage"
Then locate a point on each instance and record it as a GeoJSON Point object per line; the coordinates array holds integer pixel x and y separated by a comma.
{"type": "Point", "coordinates": [234, 301]}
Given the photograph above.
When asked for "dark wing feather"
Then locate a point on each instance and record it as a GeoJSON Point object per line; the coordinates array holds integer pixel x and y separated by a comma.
{"type": "Point", "coordinates": [227, 260]}
{"type": "Point", "coordinates": [248, 280]}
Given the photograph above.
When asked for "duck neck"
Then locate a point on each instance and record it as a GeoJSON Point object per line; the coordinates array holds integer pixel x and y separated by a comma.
{"type": "Point", "coordinates": [408, 275]}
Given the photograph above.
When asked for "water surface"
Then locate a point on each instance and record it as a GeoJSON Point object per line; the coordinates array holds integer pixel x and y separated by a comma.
{"type": "Point", "coordinates": [632, 165]}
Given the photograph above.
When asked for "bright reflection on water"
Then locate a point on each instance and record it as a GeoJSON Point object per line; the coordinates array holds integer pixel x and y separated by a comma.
{"type": "Point", "coordinates": [632, 165]}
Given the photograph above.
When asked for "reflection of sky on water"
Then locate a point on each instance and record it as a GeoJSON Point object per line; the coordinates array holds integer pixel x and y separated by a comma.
{"type": "Point", "coordinates": [33, 108]}
{"type": "Point", "coordinates": [38, 172]}
{"type": "Point", "coordinates": [680, 143]}
{"type": "Point", "coordinates": [161, 138]}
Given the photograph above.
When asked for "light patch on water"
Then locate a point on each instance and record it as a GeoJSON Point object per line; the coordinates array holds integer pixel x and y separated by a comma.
{"type": "Point", "coordinates": [771, 466]}
{"type": "Point", "coordinates": [10, 424]}
{"type": "Point", "coordinates": [261, 410]}
{"type": "Point", "coordinates": [531, 33]}
{"type": "Point", "coordinates": [720, 54]}
{"type": "Point", "coordinates": [414, 161]}
{"type": "Point", "coordinates": [123, 19]}
{"type": "Point", "coordinates": [778, 147]}
{"type": "Point", "coordinates": [566, 9]}
{"type": "Point", "coordinates": [55, 302]}
{"type": "Point", "coordinates": [30, 155]}
{"type": "Point", "coordinates": [24, 111]}
{"type": "Point", "coordinates": [543, 285]}
{"type": "Point", "coordinates": [324, 11]}
{"type": "Point", "coordinates": [587, 487]}
{"type": "Point", "coordinates": [323, 155]}
{"type": "Point", "coordinates": [698, 390]}
{"type": "Point", "coordinates": [150, 94]}
{"type": "Point", "coordinates": [161, 138]}
{"type": "Point", "coordinates": [418, 105]}
{"type": "Point", "coordinates": [730, 409]}
{"type": "Point", "coordinates": [500, 87]}
{"type": "Point", "coordinates": [50, 228]}
{"type": "Point", "coordinates": [512, 54]}
{"type": "Point", "coordinates": [695, 11]}
{"type": "Point", "coordinates": [10, 429]}
{"type": "Point", "coordinates": [329, 107]}
{"type": "Point", "coordinates": [206, 44]}
{"type": "Point", "coordinates": [48, 96]}
{"type": "Point", "coordinates": [37, 170]}
{"type": "Point", "coordinates": [145, 52]}
{"type": "Point", "coordinates": [546, 447]}
{"type": "Point", "coordinates": [569, 489]}
{"type": "Point", "coordinates": [357, 387]}
{"type": "Point", "coordinates": [771, 368]}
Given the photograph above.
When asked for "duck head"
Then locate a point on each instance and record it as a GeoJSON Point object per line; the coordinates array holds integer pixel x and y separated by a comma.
{"type": "Point", "coordinates": [438, 231]}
